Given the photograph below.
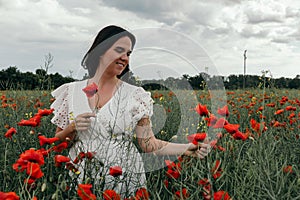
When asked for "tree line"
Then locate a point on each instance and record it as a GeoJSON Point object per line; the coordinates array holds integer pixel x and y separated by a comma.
{"type": "Point", "coordinates": [12, 78]}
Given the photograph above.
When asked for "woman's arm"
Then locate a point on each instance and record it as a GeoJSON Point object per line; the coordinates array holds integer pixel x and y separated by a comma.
{"type": "Point", "coordinates": [68, 132]}
{"type": "Point", "coordinates": [149, 143]}
{"type": "Point", "coordinates": [81, 123]}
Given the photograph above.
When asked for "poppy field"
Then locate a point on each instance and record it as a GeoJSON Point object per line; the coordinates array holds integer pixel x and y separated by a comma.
{"type": "Point", "coordinates": [254, 137]}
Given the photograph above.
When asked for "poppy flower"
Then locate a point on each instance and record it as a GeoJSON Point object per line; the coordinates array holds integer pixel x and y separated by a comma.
{"type": "Point", "coordinates": [182, 194]}
{"type": "Point", "coordinates": [240, 136]}
{"type": "Point", "coordinates": [289, 108]}
{"type": "Point", "coordinates": [29, 156]}
{"type": "Point", "coordinates": [197, 137]}
{"type": "Point", "coordinates": [33, 121]}
{"type": "Point", "coordinates": [174, 169]}
{"type": "Point", "coordinates": [34, 170]}
{"type": "Point", "coordinates": [202, 110]}
{"type": "Point", "coordinates": [10, 132]}
{"type": "Point", "coordinates": [58, 159]}
{"type": "Point", "coordinates": [216, 170]}
{"type": "Point", "coordinates": [278, 112]}
{"type": "Point", "coordinates": [72, 168]}
{"type": "Point", "coordinates": [211, 120]}
{"type": "Point", "coordinates": [220, 123]}
{"type": "Point", "coordinates": [90, 90]}
{"type": "Point", "coordinates": [232, 128]}
{"type": "Point", "coordinates": [45, 140]}
{"type": "Point", "coordinates": [223, 111]}
{"type": "Point", "coordinates": [288, 169]}
{"type": "Point", "coordinates": [85, 193]}
{"type": "Point", "coordinates": [111, 195]}
{"type": "Point", "coordinates": [221, 195]}
{"type": "Point", "coordinates": [60, 147]}
{"type": "Point", "coordinates": [9, 195]}
{"type": "Point", "coordinates": [45, 112]}
{"type": "Point", "coordinates": [115, 171]}
{"type": "Point", "coordinates": [82, 155]}
{"type": "Point", "coordinates": [142, 194]}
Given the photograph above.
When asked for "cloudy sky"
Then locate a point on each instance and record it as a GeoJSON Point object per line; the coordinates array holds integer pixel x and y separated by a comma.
{"type": "Point", "coordinates": [174, 36]}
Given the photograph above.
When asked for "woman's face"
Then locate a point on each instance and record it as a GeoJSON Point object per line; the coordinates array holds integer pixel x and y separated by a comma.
{"type": "Point", "coordinates": [116, 58]}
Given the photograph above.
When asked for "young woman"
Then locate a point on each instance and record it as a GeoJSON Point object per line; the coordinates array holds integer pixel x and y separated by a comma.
{"type": "Point", "coordinates": [106, 122]}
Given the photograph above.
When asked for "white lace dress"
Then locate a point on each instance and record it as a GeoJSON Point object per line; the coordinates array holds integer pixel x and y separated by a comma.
{"type": "Point", "coordinates": [110, 135]}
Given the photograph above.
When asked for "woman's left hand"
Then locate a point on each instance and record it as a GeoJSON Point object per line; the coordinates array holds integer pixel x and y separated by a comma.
{"type": "Point", "coordinates": [201, 150]}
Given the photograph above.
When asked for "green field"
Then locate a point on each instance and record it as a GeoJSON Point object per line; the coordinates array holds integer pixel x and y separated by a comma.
{"type": "Point", "coordinates": [263, 165]}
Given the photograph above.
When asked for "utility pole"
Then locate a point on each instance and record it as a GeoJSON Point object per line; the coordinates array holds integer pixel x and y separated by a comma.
{"type": "Point", "coordinates": [244, 77]}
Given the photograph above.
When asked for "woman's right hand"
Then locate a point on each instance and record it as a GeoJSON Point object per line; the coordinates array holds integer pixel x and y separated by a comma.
{"type": "Point", "coordinates": [83, 121]}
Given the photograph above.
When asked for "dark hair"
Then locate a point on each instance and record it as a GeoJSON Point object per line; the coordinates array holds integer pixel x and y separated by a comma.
{"type": "Point", "coordinates": [103, 41]}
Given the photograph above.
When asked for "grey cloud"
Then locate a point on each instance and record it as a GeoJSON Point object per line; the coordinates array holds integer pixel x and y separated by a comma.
{"type": "Point", "coordinates": [251, 31]}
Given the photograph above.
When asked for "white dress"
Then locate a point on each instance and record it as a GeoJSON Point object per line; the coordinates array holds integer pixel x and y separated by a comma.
{"type": "Point", "coordinates": [110, 135]}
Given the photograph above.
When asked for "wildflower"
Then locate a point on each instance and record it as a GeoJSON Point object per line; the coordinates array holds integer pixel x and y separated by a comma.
{"type": "Point", "coordinates": [81, 155]}
{"type": "Point", "coordinates": [289, 108]}
{"type": "Point", "coordinates": [212, 119]}
{"type": "Point", "coordinates": [182, 194]}
{"type": "Point", "coordinates": [90, 90]}
{"type": "Point", "coordinates": [60, 147]}
{"type": "Point", "coordinates": [34, 170]}
{"type": "Point", "coordinates": [10, 132]}
{"type": "Point", "coordinates": [45, 140]}
{"type": "Point", "coordinates": [58, 159]}
{"type": "Point", "coordinates": [9, 196]}
{"type": "Point", "coordinates": [278, 112]}
{"type": "Point", "coordinates": [174, 169]}
{"type": "Point", "coordinates": [223, 111]}
{"type": "Point", "coordinates": [115, 171]}
{"type": "Point", "coordinates": [45, 112]}
{"type": "Point", "coordinates": [220, 123]}
{"type": "Point", "coordinates": [239, 135]}
{"type": "Point", "coordinates": [142, 194]}
{"type": "Point", "coordinates": [197, 137]}
{"type": "Point", "coordinates": [231, 128]}
{"type": "Point", "coordinates": [33, 121]}
{"type": "Point", "coordinates": [29, 156]}
{"type": "Point", "coordinates": [84, 192]}
{"type": "Point", "coordinates": [221, 195]}
{"type": "Point", "coordinates": [202, 110]}
{"type": "Point", "coordinates": [216, 170]}
{"type": "Point", "coordinates": [111, 195]}
{"type": "Point", "coordinates": [288, 169]}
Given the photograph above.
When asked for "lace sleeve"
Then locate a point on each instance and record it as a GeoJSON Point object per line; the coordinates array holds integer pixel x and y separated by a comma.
{"type": "Point", "coordinates": [60, 106]}
{"type": "Point", "coordinates": [142, 105]}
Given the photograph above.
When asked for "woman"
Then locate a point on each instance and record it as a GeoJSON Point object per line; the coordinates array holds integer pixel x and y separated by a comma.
{"type": "Point", "coordinates": [106, 122]}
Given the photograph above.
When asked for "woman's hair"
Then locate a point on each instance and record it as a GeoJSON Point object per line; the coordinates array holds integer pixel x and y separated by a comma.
{"type": "Point", "coordinates": [103, 41]}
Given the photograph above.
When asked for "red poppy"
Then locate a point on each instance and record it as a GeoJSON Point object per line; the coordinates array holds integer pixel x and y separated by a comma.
{"type": "Point", "coordinates": [289, 108]}
{"type": "Point", "coordinates": [34, 170]}
{"type": "Point", "coordinates": [278, 112]}
{"type": "Point", "coordinates": [85, 193]}
{"type": "Point", "coordinates": [60, 147]}
{"type": "Point", "coordinates": [202, 110]}
{"type": "Point", "coordinates": [221, 195]}
{"type": "Point", "coordinates": [211, 120]}
{"type": "Point", "coordinates": [197, 137]}
{"type": "Point", "coordinates": [90, 90]}
{"type": "Point", "coordinates": [115, 171]}
{"type": "Point", "coordinates": [174, 169]}
{"type": "Point", "coordinates": [9, 196]}
{"type": "Point", "coordinates": [223, 111]}
{"type": "Point", "coordinates": [111, 195]}
{"type": "Point", "coordinates": [29, 156]}
{"type": "Point", "coordinates": [288, 169]}
{"type": "Point", "coordinates": [58, 159]}
{"type": "Point", "coordinates": [240, 136]}
{"type": "Point", "coordinates": [45, 112]}
{"type": "Point", "coordinates": [82, 155]}
{"type": "Point", "coordinates": [182, 194]}
{"type": "Point", "coordinates": [142, 194]}
{"type": "Point", "coordinates": [10, 132]}
{"type": "Point", "coordinates": [33, 121]}
{"type": "Point", "coordinates": [271, 105]}
{"type": "Point", "coordinates": [257, 126]}
{"type": "Point", "coordinates": [45, 140]}
{"type": "Point", "coordinates": [220, 123]}
{"type": "Point", "coordinates": [232, 128]}
{"type": "Point", "coordinates": [216, 170]}
{"type": "Point", "coordinates": [71, 167]}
